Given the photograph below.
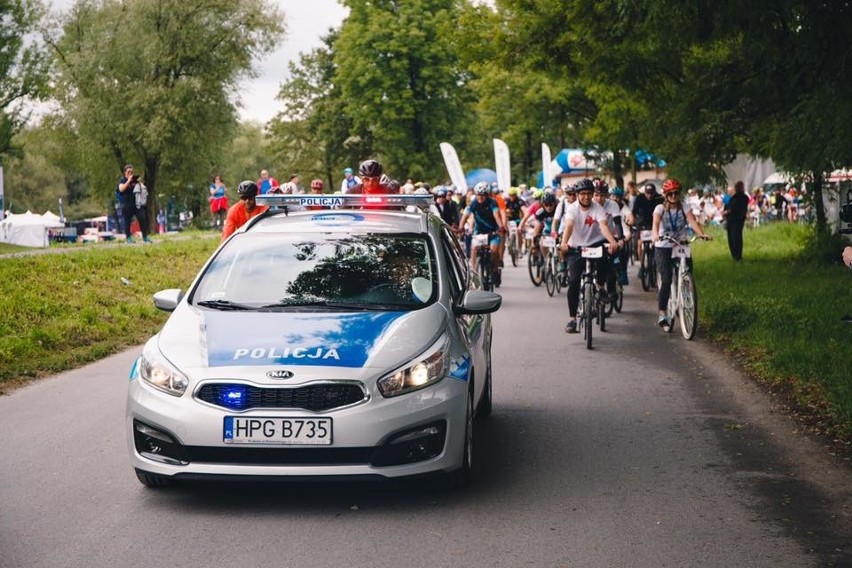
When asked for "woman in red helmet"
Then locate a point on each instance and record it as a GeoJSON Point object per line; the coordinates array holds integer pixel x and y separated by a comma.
{"type": "Point", "coordinates": [672, 217]}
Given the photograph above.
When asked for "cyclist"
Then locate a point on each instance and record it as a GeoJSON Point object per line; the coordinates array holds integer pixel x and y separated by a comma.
{"type": "Point", "coordinates": [515, 211]}
{"type": "Point", "coordinates": [643, 214]}
{"type": "Point", "coordinates": [544, 219]}
{"type": "Point", "coordinates": [617, 195]}
{"type": "Point", "coordinates": [245, 209]}
{"type": "Point", "coordinates": [497, 195]}
{"type": "Point", "coordinates": [614, 222]}
{"type": "Point", "coordinates": [372, 179]}
{"type": "Point", "coordinates": [585, 226]}
{"type": "Point", "coordinates": [670, 218]}
{"type": "Point", "coordinates": [486, 219]}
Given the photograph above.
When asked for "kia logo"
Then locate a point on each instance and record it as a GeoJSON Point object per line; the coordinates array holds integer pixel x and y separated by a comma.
{"type": "Point", "coordinates": [280, 374]}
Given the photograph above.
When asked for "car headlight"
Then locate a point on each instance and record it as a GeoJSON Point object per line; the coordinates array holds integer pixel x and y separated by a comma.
{"type": "Point", "coordinates": [160, 374]}
{"type": "Point", "coordinates": [427, 370]}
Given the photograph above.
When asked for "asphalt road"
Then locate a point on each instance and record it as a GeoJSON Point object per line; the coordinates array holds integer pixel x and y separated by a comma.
{"type": "Point", "coordinates": [648, 451]}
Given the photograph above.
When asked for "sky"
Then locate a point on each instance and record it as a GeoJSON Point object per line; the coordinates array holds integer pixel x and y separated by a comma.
{"type": "Point", "coordinates": [307, 21]}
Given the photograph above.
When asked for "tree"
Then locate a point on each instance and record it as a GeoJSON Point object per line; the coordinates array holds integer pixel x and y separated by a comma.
{"type": "Point", "coordinates": [149, 81]}
{"type": "Point", "coordinates": [402, 83]}
{"type": "Point", "coordinates": [22, 66]}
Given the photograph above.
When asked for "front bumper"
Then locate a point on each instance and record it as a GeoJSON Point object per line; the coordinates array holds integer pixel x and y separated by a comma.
{"type": "Point", "coordinates": [418, 433]}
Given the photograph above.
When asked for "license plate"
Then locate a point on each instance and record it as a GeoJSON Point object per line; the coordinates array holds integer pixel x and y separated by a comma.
{"type": "Point", "coordinates": [480, 240]}
{"type": "Point", "coordinates": [646, 235]}
{"type": "Point", "coordinates": [285, 431]}
{"type": "Point", "coordinates": [681, 251]}
{"type": "Point", "coordinates": [548, 242]}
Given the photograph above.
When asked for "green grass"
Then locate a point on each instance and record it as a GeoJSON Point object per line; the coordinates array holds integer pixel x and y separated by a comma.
{"type": "Point", "coordinates": [63, 310]}
{"type": "Point", "coordinates": [779, 313]}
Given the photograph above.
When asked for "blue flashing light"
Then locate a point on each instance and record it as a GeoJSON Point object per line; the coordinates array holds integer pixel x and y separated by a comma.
{"type": "Point", "coordinates": [234, 396]}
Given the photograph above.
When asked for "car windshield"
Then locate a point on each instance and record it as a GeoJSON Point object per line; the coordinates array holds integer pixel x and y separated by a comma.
{"type": "Point", "coordinates": [285, 272]}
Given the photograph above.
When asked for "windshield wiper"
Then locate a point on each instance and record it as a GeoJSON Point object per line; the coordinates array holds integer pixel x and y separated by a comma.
{"type": "Point", "coordinates": [224, 305]}
{"type": "Point", "coordinates": [283, 306]}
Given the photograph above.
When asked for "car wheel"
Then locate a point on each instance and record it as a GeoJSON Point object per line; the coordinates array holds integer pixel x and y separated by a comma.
{"type": "Point", "coordinates": [152, 479]}
{"type": "Point", "coordinates": [460, 478]}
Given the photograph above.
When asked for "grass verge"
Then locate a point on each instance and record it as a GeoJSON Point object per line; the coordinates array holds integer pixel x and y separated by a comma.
{"type": "Point", "coordinates": [778, 312]}
{"type": "Point", "coordinates": [64, 310]}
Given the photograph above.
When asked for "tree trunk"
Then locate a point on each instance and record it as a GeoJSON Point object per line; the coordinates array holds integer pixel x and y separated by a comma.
{"type": "Point", "coordinates": [819, 206]}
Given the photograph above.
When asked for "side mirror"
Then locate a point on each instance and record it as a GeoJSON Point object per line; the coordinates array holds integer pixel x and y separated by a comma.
{"type": "Point", "coordinates": [479, 302]}
{"type": "Point", "coordinates": [167, 300]}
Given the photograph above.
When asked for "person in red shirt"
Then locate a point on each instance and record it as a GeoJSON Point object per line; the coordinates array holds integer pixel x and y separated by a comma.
{"type": "Point", "coordinates": [317, 187]}
{"type": "Point", "coordinates": [241, 212]}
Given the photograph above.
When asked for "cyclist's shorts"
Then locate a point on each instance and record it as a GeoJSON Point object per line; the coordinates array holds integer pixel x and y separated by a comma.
{"type": "Point", "coordinates": [494, 240]}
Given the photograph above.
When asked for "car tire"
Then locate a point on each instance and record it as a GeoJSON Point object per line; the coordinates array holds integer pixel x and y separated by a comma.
{"type": "Point", "coordinates": [152, 480]}
{"type": "Point", "coordinates": [460, 478]}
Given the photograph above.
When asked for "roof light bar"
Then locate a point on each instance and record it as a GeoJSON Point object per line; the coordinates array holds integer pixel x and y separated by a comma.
{"type": "Point", "coordinates": [370, 201]}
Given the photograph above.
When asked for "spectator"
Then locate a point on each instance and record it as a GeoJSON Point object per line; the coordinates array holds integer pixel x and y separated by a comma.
{"type": "Point", "coordinates": [245, 209]}
{"type": "Point", "coordinates": [133, 197]}
{"type": "Point", "coordinates": [218, 202]}
{"type": "Point", "coordinates": [349, 181]}
{"type": "Point", "coordinates": [266, 183]}
{"type": "Point", "coordinates": [735, 213]}
{"type": "Point", "coordinates": [292, 186]}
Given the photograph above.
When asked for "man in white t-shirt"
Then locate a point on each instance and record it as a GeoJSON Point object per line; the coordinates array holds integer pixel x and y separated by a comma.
{"type": "Point", "coordinates": [585, 225]}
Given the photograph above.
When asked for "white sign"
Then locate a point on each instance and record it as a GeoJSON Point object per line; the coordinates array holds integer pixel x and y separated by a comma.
{"type": "Point", "coordinates": [503, 164]}
{"type": "Point", "coordinates": [2, 198]}
{"type": "Point", "coordinates": [454, 169]}
{"type": "Point", "coordinates": [546, 180]}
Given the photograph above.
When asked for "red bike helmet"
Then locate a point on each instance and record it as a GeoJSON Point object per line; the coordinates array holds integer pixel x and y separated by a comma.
{"type": "Point", "coordinates": [671, 185]}
{"type": "Point", "coordinates": [317, 184]}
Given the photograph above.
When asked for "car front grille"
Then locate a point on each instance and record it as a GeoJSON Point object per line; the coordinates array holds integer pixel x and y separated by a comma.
{"type": "Point", "coordinates": [315, 397]}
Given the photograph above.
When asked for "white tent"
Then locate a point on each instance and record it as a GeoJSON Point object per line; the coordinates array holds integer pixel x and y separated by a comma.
{"type": "Point", "coordinates": [27, 229]}
{"type": "Point", "coordinates": [50, 216]}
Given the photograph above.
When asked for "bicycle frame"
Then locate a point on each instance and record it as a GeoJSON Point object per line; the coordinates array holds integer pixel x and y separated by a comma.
{"type": "Point", "coordinates": [590, 305]}
{"type": "Point", "coordinates": [683, 298]}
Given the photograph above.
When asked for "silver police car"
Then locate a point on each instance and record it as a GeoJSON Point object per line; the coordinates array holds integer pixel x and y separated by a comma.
{"type": "Point", "coordinates": [348, 339]}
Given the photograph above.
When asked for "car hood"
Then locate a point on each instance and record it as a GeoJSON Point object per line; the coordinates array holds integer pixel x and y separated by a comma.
{"type": "Point", "coordinates": [197, 339]}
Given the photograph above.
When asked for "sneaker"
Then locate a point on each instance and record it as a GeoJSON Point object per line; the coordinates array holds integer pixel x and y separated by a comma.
{"type": "Point", "coordinates": [129, 240]}
{"type": "Point", "coordinates": [663, 322]}
{"type": "Point", "coordinates": [571, 327]}
{"type": "Point", "coordinates": [148, 240]}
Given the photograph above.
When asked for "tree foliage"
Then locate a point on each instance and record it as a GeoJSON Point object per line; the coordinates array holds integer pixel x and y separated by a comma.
{"type": "Point", "coordinates": [22, 66]}
{"type": "Point", "coordinates": [149, 81]}
{"type": "Point", "coordinates": [401, 82]}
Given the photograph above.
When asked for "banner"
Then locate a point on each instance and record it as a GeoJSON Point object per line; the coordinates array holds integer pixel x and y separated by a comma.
{"type": "Point", "coordinates": [503, 164]}
{"type": "Point", "coordinates": [2, 198]}
{"type": "Point", "coordinates": [546, 178]}
{"type": "Point", "coordinates": [454, 169]}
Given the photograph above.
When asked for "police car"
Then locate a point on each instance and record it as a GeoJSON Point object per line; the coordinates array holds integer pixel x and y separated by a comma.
{"type": "Point", "coordinates": [348, 342]}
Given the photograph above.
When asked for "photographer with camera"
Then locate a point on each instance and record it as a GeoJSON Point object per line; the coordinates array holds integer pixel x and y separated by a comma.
{"type": "Point", "coordinates": [133, 197]}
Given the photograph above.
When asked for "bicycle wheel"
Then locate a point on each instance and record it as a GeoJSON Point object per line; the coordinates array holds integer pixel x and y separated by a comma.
{"type": "Point", "coordinates": [560, 274]}
{"type": "Point", "coordinates": [655, 277]}
{"type": "Point", "coordinates": [603, 307]}
{"type": "Point", "coordinates": [534, 265]}
{"type": "Point", "coordinates": [588, 311]}
{"type": "Point", "coordinates": [647, 275]}
{"type": "Point", "coordinates": [485, 272]}
{"type": "Point", "coordinates": [549, 280]}
{"type": "Point", "coordinates": [688, 306]}
{"type": "Point", "coordinates": [513, 249]}
{"type": "Point", "coordinates": [619, 297]}
{"type": "Point", "coordinates": [671, 309]}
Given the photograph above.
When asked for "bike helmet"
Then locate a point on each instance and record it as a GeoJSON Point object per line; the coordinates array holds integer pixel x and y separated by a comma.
{"type": "Point", "coordinates": [317, 184]}
{"type": "Point", "coordinates": [570, 189]}
{"type": "Point", "coordinates": [247, 189]}
{"type": "Point", "coordinates": [548, 199]}
{"type": "Point", "coordinates": [650, 187]}
{"type": "Point", "coordinates": [494, 188]}
{"type": "Point", "coordinates": [370, 168]}
{"type": "Point", "coordinates": [600, 186]}
{"type": "Point", "coordinates": [585, 184]}
{"type": "Point", "coordinates": [671, 185]}
{"type": "Point", "coordinates": [538, 193]}
{"type": "Point", "coordinates": [481, 188]}
{"type": "Point", "coordinates": [441, 191]}
{"type": "Point", "coordinates": [513, 191]}
{"type": "Point", "coordinates": [617, 191]}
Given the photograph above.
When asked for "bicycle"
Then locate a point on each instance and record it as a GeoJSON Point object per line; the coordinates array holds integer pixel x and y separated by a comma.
{"type": "Point", "coordinates": [683, 299]}
{"type": "Point", "coordinates": [649, 265]}
{"type": "Point", "coordinates": [616, 303]}
{"type": "Point", "coordinates": [553, 275]}
{"type": "Point", "coordinates": [535, 263]}
{"type": "Point", "coordinates": [514, 249]}
{"type": "Point", "coordinates": [591, 307]}
{"type": "Point", "coordinates": [488, 274]}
